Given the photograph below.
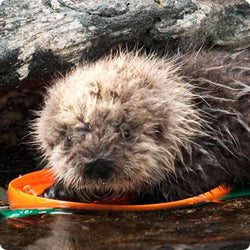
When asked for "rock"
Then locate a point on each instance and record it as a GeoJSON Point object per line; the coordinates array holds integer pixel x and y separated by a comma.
{"type": "Point", "coordinates": [67, 31]}
{"type": "Point", "coordinates": [40, 39]}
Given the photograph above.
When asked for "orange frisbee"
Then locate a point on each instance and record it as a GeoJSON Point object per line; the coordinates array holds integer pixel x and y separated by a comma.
{"type": "Point", "coordinates": [23, 193]}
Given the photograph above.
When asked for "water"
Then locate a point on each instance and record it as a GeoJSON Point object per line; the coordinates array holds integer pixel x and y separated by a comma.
{"type": "Point", "coordinates": [224, 225]}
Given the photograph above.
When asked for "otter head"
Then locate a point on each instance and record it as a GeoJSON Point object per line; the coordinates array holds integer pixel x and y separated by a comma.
{"type": "Point", "coordinates": [116, 126]}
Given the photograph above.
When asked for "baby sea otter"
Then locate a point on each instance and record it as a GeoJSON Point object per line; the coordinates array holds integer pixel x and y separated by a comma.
{"type": "Point", "coordinates": [160, 129]}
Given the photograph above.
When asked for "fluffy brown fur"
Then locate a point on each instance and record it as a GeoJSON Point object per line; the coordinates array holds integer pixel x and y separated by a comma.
{"type": "Point", "coordinates": [161, 128]}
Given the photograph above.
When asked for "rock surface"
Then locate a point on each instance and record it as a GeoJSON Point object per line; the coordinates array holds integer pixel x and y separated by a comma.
{"type": "Point", "coordinates": [40, 39]}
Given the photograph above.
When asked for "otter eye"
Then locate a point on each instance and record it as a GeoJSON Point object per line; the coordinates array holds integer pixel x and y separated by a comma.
{"type": "Point", "coordinates": [126, 133]}
{"type": "Point", "coordinates": [125, 130]}
{"type": "Point", "coordinates": [113, 94]}
{"type": "Point", "coordinates": [68, 141]}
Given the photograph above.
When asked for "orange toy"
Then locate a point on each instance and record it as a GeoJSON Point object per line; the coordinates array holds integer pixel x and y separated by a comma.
{"type": "Point", "coordinates": [23, 193]}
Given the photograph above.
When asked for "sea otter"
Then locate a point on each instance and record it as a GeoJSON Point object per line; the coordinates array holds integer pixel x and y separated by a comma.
{"type": "Point", "coordinates": [156, 129]}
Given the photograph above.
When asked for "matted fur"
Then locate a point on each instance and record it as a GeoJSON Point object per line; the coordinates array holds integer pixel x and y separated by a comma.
{"type": "Point", "coordinates": [170, 110]}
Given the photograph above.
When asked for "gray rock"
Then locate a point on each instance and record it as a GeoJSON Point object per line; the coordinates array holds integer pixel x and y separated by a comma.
{"type": "Point", "coordinates": [73, 30]}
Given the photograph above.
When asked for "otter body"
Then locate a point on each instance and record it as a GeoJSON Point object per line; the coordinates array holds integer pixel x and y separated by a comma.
{"type": "Point", "coordinates": [160, 129]}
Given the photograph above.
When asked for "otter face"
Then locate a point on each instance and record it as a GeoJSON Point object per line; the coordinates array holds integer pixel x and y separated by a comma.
{"type": "Point", "coordinates": [115, 126]}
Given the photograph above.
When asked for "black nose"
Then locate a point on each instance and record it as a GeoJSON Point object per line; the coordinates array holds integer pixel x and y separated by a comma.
{"type": "Point", "coordinates": [99, 169]}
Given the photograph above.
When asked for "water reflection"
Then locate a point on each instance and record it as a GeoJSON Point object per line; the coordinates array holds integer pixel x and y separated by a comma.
{"type": "Point", "coordinates": [215, 226]}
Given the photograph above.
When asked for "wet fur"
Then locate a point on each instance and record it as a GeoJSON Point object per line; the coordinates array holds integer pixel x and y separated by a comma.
{"type": "Point", "coordinates": [188, 119]}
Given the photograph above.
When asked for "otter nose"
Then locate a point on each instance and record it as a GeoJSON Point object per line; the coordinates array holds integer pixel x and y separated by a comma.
{"type": "Point", "coordinates": [99, 169]}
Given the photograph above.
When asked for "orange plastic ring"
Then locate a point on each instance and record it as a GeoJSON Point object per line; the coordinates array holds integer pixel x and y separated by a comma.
{"type": "Point", "coordinates": [23, 191]}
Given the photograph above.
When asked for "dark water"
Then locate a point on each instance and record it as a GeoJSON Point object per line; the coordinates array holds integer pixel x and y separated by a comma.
{"type": "Point", "coordinates": [224, 225]}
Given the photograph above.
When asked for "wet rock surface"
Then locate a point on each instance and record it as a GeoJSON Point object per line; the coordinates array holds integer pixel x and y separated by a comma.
{"type": "Point", "coordinates": [224, 225]}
